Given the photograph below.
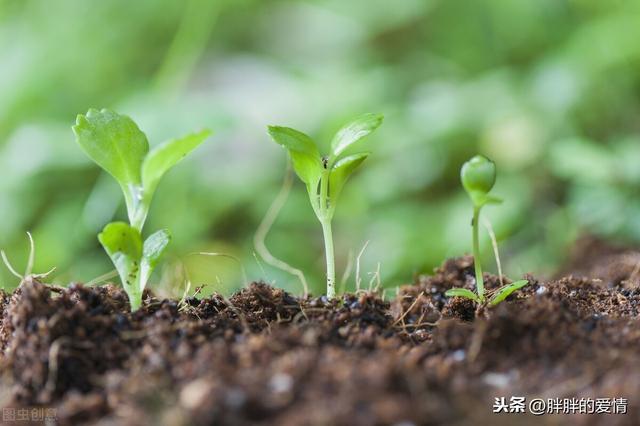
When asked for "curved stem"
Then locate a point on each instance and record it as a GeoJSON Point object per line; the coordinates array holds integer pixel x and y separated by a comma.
{"type": "Point", "coordinates": [476, 253]}
{"type": "Point", "coordinates": [260, 237]}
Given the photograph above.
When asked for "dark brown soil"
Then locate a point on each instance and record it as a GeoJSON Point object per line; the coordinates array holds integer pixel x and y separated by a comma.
{"type": "Point", "coordinates": [265, 357]}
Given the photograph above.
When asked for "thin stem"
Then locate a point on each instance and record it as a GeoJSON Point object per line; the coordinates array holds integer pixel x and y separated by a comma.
{"type": "Point", "coordinates": [326, 213]}
{"type": "Point", "coordinates": [267, 223]}
{"type": "Point", "coordinates": [136, 211]}
{"type": "Point", "coordinates": [328, 248]}
{"type": "Point", "coordinates": [476, 252]}
{"type": "Point", "coordinates": [135, 300]}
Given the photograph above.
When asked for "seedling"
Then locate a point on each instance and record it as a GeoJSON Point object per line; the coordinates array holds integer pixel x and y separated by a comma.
{"type": "Point", "coordinates": [116, 144]}
{"type": "Point", "coordinates": [478, 176]}
{"type": "Point", "coordinates": [325, 176]}
{"type": "Point", "coordinates": [29, 269]}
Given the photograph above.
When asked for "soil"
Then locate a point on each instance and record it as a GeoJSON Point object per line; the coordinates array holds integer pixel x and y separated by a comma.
{"type": "Point", "coordinates": [265, 357]}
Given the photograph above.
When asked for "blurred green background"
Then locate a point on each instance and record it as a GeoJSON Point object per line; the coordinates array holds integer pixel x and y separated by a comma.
{"type": "Point", "coordinates": [549, 89]}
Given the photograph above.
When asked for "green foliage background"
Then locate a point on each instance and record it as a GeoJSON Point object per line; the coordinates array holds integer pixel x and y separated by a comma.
{"type": "Point", "coordinates": [547, 88]}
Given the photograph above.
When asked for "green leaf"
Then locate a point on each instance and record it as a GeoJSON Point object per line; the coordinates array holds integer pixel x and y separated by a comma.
{"type": "Point", "coordinates": [294, 140]}
{"type": "Point", "coordinates": [308, 169]}
{"type": "Point", "coordinates": [462, 292]}
{"type": "Point", "coordinates": [583, 160]}
{"type": "Point", "coordinates": [506, 291]}
{"type": "Point", "coordinates": [341, 171]}
{"type": "Point", "coordinates": [114, 142]}
{"type": "Point", "coordinates": [123, 244]}
{"type": "Point", "coordinates": [304, 154]}
{"type": "Point", "coordinates": [353, 132]}
{"type": "Point", "coordinates": [165, 156]}
{"type": "Point", "coordinates": [154, 248]}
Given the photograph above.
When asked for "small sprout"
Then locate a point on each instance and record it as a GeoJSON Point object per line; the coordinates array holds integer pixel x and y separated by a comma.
{"type": "Point", "coordinates": [30, 262]}
{"type": "Point", "coordinates": [463, 292]}
{"type": "Point", "coordinates": [116, 144]}
{"type": "Point", "coordinates": [505, 291]}
{"type": "Point", "coordinates": [325, 176]}
{"type": "Point", "coordinates": [478, 176]}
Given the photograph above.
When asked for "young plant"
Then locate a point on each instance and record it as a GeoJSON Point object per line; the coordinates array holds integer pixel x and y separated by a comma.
{"type": "Point", "coordinates": [116, 144]}
{"type": "Point", "coordinates": [478, 176]}
{"type": "Point", "coordinates": [325, 176]}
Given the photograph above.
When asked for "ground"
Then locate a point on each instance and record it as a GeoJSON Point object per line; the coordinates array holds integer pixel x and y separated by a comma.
{"type": "Point", "coordinates": [265, 357]}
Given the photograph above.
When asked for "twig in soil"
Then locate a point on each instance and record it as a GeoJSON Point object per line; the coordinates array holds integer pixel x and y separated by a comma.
{"type": "Point", "coordinates": [265, 226]}
{"type": "Point", "coordinates": [476, 340]}
{"type": "Point", "coordinates": [239, 314]}
{"type": "Point", "coordinates": [183, 306]}
{"type": "Point", "coordinates": [494, 243]}
{"type": "Point", "coordinates": [302, 313]}
{"type": "Point", "coordinates": [404, 314]}
{"type": "Point", "coordinates": [54, 353]}
{"type": "Point", "coordinates": [358, 279]}
{"type": "Point", "coordinates": [376, 278]}
{"type": "Point", "coordinates": [52, 287]}
{"type": "Point", "coordinates": [419, 324]}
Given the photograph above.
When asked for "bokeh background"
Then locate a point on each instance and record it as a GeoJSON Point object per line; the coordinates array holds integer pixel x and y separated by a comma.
{"type": "Point", "coordinates": [549, 89]}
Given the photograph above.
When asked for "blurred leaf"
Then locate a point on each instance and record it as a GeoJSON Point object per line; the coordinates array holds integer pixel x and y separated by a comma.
{"type": "Point", "coordinates": [581, 159]}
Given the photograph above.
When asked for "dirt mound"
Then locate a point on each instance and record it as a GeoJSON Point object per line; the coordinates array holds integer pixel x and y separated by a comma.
{"type": "Point", "coordinates": [263, 356]}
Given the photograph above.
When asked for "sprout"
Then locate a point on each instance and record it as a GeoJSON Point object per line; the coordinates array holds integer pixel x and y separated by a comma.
{"type": "Point", "coordinates": [116, 144]}
{"type": "Point", "coordinates": [478, 176]}
{"type": "Point", "coordinates": [325, 177]}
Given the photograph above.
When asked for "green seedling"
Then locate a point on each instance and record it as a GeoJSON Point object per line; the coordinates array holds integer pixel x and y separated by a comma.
{"type": "Point", "coordinates": [116, 144]}
{"type": "Point", "coordinates": [30, 262]}
{"type": "Point", "coordinates": [478, 176]}
{"type": "Point", "coordinates": [325, 176]}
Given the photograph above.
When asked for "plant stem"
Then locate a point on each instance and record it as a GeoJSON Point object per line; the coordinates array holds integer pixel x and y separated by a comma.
{"type": "Point", "coordinates": [476, 253]}
{"type": "Point", "coordinates": [328, 248]}
{"type": "Point", "coordinates": [135, 300]}
{"type": "Point", "coordinates": [326, 213]}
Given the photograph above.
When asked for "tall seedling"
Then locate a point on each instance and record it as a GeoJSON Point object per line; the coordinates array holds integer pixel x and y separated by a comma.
{"type": "Point", "coordinates": [116, 144]}
{"type": "Point", "coordinates": [325, 176]}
